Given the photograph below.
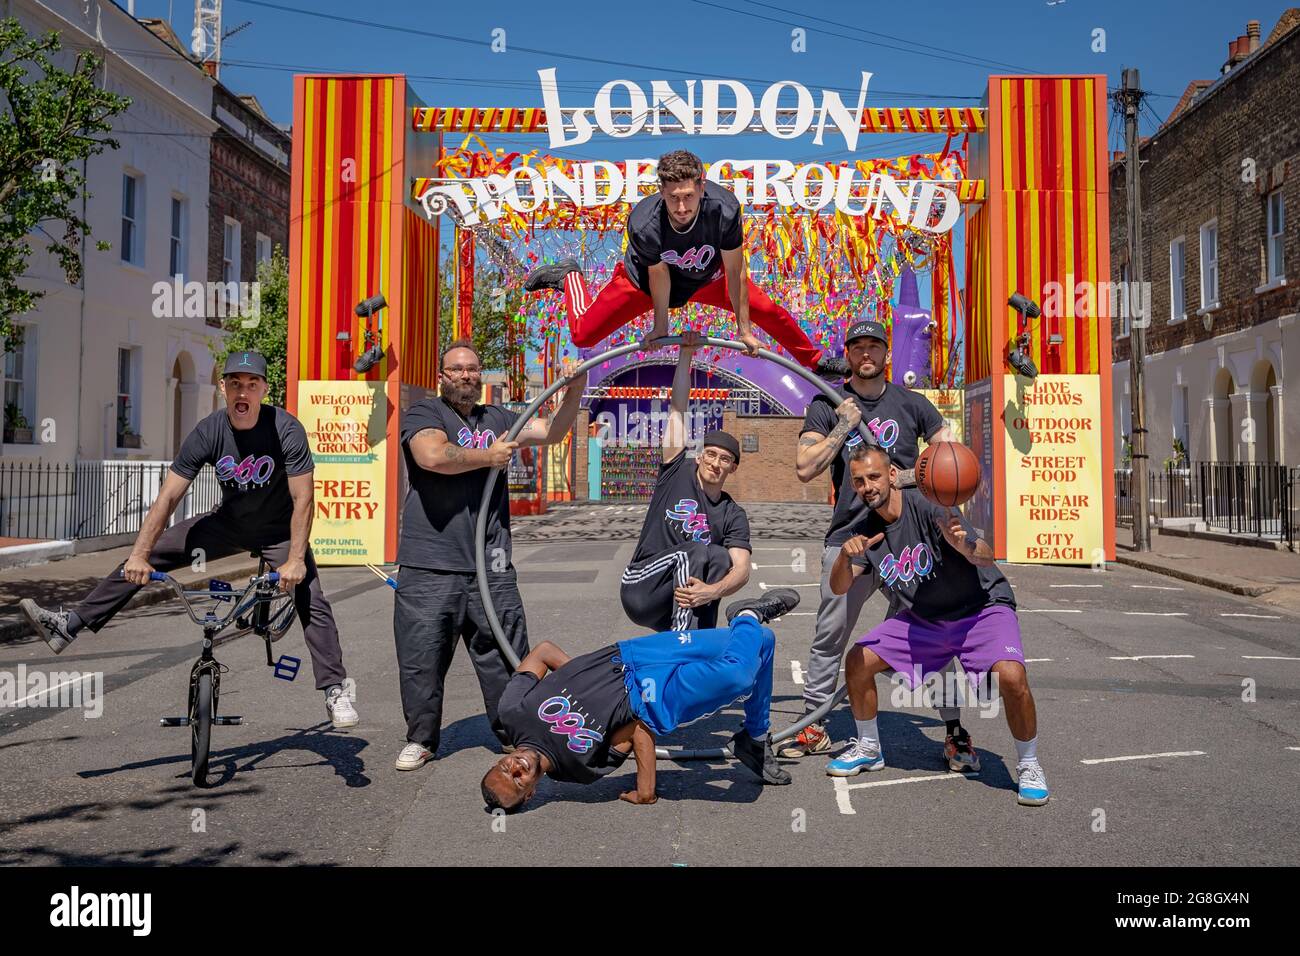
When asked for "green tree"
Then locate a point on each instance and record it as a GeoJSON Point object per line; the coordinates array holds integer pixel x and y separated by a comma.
{"type": "Point", "coordinates": [267, 330]}
{"type": "Point", "coordinates": [48, 125]}
{"type": "Point", "coordinates": [493, 312]}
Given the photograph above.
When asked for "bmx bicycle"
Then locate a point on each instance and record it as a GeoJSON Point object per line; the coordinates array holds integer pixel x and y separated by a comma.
{"type": "Point", "coordinates": [262, 608]}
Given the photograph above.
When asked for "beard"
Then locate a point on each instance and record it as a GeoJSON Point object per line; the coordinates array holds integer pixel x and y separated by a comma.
{"type": "Point", "coordinates": [875, 372]}
{"type": "Point", "coordinates": [460, 393]}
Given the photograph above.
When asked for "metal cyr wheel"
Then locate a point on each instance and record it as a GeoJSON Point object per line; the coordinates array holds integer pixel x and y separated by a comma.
{"type": "Point", "coordinates": [480, 530]}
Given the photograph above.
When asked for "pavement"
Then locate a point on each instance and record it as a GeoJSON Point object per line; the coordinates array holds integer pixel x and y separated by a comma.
{"type": "Point", "coordinates": [1167, 727]}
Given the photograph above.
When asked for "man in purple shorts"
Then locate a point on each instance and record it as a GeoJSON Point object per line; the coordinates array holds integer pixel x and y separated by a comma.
{"type": "Point", "coordinates": [946, 599]}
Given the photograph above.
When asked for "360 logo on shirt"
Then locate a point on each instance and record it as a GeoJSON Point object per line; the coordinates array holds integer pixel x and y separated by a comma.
{"type": "Point", "coordinates": [692, 258]}
{"type": "Point", "coordinates": [556, 712]}
{"type": "Point", "coordinates": [252, 470]}
{"type": "Point", "coordinates": [886, 433]}
{"type": "Point", "coordinates": [475, 439]}
{"type": "Point", "coordinates": [913, 562]}
{"type": "Point", "coordinates": [694, 522]}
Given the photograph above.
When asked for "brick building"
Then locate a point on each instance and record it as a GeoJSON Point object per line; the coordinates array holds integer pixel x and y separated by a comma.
{"type": "Point", "coordinates": [1221, 250]}
{"type": "Point", "coordinates": [248, 205]}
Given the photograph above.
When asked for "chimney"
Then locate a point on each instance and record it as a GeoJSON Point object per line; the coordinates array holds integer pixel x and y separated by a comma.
{"type": "Point", "coordinates": [210, 68]}
{"type": "Point", "coordinates": [1252, 31]}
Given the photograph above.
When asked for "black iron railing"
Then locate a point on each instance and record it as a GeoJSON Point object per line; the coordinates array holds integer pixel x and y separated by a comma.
{"type": "Point", "coordinates": [89, 499]}
{"type": "Point", "coordinates": [1242, 498]}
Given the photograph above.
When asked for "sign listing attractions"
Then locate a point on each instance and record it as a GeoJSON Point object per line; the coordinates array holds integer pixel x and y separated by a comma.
{"type": "Point", "coordinates": [345, 428]}
{"type": "Point", "coordinates": [1053, 469]}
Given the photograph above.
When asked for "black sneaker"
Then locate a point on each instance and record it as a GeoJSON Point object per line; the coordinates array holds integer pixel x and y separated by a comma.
{"type": "Point", "coordinates": [774, 603]}
{"type": "Point", "coordinates": [757, 756]}
{"type": "Point", "coordinates": [50, 626]}
{"type": "Point", "coordinates": [552, 276]}
{"type": "Point", "coordinates": [833, 368]}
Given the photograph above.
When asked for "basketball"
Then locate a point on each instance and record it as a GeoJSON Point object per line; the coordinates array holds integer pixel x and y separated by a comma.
{"type": "Point", "coordinates": [948, 473]}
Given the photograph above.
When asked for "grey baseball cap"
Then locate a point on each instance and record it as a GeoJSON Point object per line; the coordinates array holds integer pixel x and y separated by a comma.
{"type": "Point", "coordinates": [866, 329]}
{"type": "Point", "coordinates": [248, 363]}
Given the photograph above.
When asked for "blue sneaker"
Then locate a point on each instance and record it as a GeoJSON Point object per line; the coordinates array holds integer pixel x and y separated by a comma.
{"type": "Point", "coordinates": [1033, 785]}
{"type": "Point", "coordinates": [861, 755]}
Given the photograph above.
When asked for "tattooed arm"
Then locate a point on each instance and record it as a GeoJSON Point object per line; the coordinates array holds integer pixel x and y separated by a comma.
{"type": "Point", "coordinates": [815, 450]}
{"type": "Point", "coordinates": [433, 452]}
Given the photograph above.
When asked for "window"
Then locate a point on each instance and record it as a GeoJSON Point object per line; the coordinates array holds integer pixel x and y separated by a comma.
{"type": "Point", "coordinates": [20, 383]}
{"type": "Point", "coordinates": [1124, 300]}
{"type": "Point", "coordinates": [176, 262]}
{"type": "Point", "coordinates": [263, 248]}
{"type": "Point", "coordinates": [1210, 264]}
{"type": "Point", "coordinates": [1177, 279]}
{"type": "Point", "coordinates": [128, 418]}
{"type": "Point", "coordinates": [132, 219]}
{"type": "Point", "coordinates": [230, 252]}
{"type": "Point", "coordinates": [1181, 426]}
{"type": "Point", "coordinates": [1275, 249]}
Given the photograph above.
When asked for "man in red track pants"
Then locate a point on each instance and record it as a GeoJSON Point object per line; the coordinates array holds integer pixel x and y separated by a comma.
{"type": "Point", "coordinates": [684, 245]}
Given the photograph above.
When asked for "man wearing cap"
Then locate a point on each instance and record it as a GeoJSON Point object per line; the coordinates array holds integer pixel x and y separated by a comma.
{"type": "Point", "coordinates": [897, 417]}
{"type": "Point", "coordinates": [264, 466]}
{"type": "Point", "coordinates": [694, 545]}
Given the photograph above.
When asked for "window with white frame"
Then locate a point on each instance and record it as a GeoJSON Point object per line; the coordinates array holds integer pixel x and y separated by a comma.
{"type": "Point", "coordinates": [132, 245]}
{"type": "Point", "coordinates": [1276, 225]}
{"type": "Point", "coordinates": [230, 251]}
{"type": "Point", "coordinates": [176, 254]}
{"type": "Point", "coordinates": [128, 414]}
{"type": "Point", "coordinates": [1210, 264]}
{"type": "Point", "coordinates": [20, 384]}
{"type": "Point", "coordinates": [1177, 279]}
{"type": "Point", "coordinates": [263, 248]}
{"type": "Point", "coordinates": [1124, 300]}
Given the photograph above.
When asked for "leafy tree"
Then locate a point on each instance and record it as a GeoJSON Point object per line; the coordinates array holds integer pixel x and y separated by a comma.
{"type": "Point", "coordinates": [48, 125]}
{"type": "Point", "coordinates": [267, 331]}
{"type": "Point", "coordinates": [493, 312]}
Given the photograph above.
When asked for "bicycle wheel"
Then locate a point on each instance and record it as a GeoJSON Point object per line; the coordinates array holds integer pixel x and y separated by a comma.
{"type": "Point", "coordinates": [201, 729]}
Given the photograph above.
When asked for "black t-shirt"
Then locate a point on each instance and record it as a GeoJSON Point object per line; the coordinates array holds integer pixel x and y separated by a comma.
{"type": "Point", "coordinates": [680, 512]}
{"type": "Point", "coordinates": [570, 715]}
{"type": "Point", "coordinates": [694, 258]}
{"type": "Point", "coordinates": [441, 511]}
{"type": "Point", "coordinates": [253, 466]}
{"type": "Point", "coordinates": [898, 418]}
{"type": "Point", "coordinates": [920, 571]}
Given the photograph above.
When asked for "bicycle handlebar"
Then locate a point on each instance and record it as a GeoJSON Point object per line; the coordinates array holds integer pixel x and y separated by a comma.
{"type": "Point", "coordinates": [242, 604]}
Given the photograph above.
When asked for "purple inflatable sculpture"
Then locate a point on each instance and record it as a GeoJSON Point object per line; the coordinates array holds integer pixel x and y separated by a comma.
{"type": "Point", "coordinates": [913, 329]}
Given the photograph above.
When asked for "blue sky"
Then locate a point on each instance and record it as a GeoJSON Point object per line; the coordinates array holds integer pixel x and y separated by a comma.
{"type": "Point", "coordinates": [933, 54]}
{"type": "Point", "coordinates": [926, 54]}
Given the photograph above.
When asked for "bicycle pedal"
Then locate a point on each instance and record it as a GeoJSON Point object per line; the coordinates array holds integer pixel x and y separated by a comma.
{"type": "Point", "coordinates": [174, 721]}
{"type": "Point", "coordinates": [286, 668]}
{"type": "Point", "coordinates": [228, 721]}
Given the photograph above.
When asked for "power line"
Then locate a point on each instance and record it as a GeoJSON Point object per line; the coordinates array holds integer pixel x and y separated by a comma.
{"type": "Point", "coordinates": [966, 59]}
{"type": "Point", "coordinates": [414, 31]}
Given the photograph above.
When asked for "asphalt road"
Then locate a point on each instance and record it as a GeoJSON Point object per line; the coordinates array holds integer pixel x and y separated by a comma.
{"type": "Point", "coordinates": [1123, 664]}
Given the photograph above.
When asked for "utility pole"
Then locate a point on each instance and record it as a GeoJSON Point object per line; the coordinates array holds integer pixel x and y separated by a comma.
{"type": "Point", "coordinates": [1130, 98]}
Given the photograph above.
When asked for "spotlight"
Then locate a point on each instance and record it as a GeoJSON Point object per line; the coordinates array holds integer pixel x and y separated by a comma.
{"type": "Point", "coordinates": [370, 306]}
{"type": "Point", "coordinates": [1026, 307]}
{"type": "Point", "coordinates": [1022, 363]}
{"type": "Point", "coordinates": [369, 358]}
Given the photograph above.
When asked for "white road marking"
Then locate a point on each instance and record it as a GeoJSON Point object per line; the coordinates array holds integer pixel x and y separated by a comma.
{"type": "Point", "coordinates": [1154, 587]}
{"type": "Point", "coordinates": [1152, 657]}
{"type": "Point", "coordinates": [802, 614]}
{"type": "Point", "coordinates": [50, 690]}
{"type": "Point", "coordinates": [1076, 585]}
{"type": "Point", "coordinates": [842, 786]}
{"type": "Point", "coordinates": [786, 550]}
{"type": "Point", "coordinates": [1172, 753]}
{"type": "Point", "coordinates": [763, 585]}
{"type": "Point", "coordinates": [1293, 748]}
{"type": "Point", "coordinates": [1038, 660]}
{"type": "Point", "coordinates": [796, 672]}
{"type": "Point", "coordinates": [1048, 610]}
{"type": "Point", "coordinates": [1156, 613]}
{"type": "Point", "coordinates": [1262, 617]}
{"type": "Point", "coordinates": [1248, 657]}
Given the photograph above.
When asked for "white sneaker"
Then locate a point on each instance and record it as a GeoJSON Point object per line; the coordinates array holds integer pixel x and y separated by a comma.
{"type": "Point", "coordinates": [413, 757]}
{"type": "Point", "coordinates": [339, 704]}
{"type": "Point", "coordinates": [1032, 785]}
